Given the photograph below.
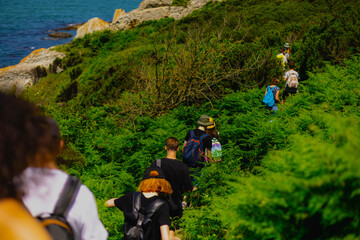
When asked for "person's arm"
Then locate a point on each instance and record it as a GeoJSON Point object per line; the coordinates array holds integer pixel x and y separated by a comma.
{"type": "Point", "coordinates": [165, 233]}
{"type": "Point", "coordinates": [265, 92]}
{"type": "Point", "coordinates": [91, 227]}
{"type": "Point", "coordinates": [110, 202]}
{"type": "Point", "coordinates": [277, 97]}
{"type": "Point", "coordinates": [208, 155]}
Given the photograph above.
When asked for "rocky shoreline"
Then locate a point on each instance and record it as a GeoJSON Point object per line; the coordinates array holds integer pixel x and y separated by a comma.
{"type": "Point", "coordinates": [16, 78]}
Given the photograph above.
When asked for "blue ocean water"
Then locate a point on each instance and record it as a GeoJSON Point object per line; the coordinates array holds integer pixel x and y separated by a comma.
{"type": "Point", "coordinates": [25, 24]}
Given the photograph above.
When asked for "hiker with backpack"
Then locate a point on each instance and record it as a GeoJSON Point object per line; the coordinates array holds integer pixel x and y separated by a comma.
{"type": "Point", "coordinates": [287, 51]}
{"type": "Point", "coordinates": [146, 213]}
{"type": "Point", "coordinates": [198, 144]}
{"type": "Point", "coordinates": [282, 58]}
{"type": "Point", "coordinates": [17, 138]}
{"type": "Point", "coordinates": [292, 79]}
{"type": "Point", "coordinates": [61, 203]}
{"type": "Point", "coordinates": [177, 174]}
{"type": "Point", "coordinates": [271, 97]}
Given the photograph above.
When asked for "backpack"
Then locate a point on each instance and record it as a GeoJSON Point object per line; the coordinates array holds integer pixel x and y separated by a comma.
{"type": "Point", "coordinates": [138, 224]}
{"type": "Point", "coordinates": [293, 81]}
{"type": "Point", "coordinates": [216, 151]}
{"type": "Point", "coordinates": [56, 224]}
{"type": "Point", "coordinates": [269, 97]}
{"type": "Point", "coordinates": [281, 58]}
{"type": "Point", "coordinates": [193, 149]}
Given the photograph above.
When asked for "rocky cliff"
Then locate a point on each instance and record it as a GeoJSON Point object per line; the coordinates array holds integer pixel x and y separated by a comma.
{"type": "Point", "coordinates": [148, 10]}
{"type": "Point", "coordinates": [16, 78]}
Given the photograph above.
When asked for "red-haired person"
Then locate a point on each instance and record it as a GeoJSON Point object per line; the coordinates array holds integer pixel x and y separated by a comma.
{"type": "Point", "coordinates": [145, 212]}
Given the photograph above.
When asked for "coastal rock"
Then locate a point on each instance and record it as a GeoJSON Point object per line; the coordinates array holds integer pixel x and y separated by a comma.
{"type": "Point", "coordinates": [155, 9]}
{"type": "Point", "coordinates": [60, 35]}
{"type": "Point", "coordinates": [154, 4]}
{"type": "Point", "coordinates": [16, 78]}
{"type": "Point", "coordinates": [118, 13]}
{"type": "Point", "coordinates": [94, 24]}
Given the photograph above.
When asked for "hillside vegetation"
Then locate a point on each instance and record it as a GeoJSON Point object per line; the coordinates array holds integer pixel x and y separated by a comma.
{"type": "Point", "coordinates": [293, 175]}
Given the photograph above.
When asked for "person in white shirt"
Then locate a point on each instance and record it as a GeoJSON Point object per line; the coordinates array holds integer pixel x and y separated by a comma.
{"type": "Point", "coordinates": [291, 79]}
{"type": "Point", "coordinates": [43, 182]}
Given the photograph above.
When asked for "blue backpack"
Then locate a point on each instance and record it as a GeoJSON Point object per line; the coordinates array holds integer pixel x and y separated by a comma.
{"type": "Point", "coordinates": [193, 149]}
{"type": "Point", "coordinates": [269, 97]}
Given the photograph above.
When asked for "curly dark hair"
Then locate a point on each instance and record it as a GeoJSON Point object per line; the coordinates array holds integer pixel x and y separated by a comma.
{"type": "Point", "coordinates": [19, 131]}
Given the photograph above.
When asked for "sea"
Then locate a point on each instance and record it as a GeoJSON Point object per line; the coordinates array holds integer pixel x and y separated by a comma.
{"type": "Point", "coordinates": [26, 24]}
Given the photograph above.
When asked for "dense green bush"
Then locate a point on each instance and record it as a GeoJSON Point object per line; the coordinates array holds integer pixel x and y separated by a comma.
{"type": "Point", "coordinates": [130, 87]}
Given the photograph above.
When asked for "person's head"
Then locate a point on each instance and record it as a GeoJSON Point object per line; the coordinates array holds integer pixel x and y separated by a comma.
{"type": "Point", "coordinates": [281, 50]}
{"type": "Point", "coordinates": [286, 45]}
{"type": "Point", "coordinates": [172, 144]}
{"type": "Point", "coordinates": [154, 181]}
{"type": "Point", "coordinates": [205, 121]}
{"type": "Point", "coordinates": [275, 81]}
{"type": "Point", "coordinates": [50, 143]}
{"type": "Point", "coordinates": [18, 140]}
{"type": "Point", "coordinates": [291, 64]}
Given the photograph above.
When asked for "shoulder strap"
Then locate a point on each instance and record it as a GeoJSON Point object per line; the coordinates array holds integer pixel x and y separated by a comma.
{"type": "Point", "coordinates": [137, 201]}
{"type": "Point", "coordinates": [204, 136]}
{"type": "Point", "coordinates": [155, 207]}
{"type": "Point", "coordinates": [67, 196]}
{"type": "Point", "coordinates": [192, 134]}
{"type": "Point", "coordinates": [158, 162]}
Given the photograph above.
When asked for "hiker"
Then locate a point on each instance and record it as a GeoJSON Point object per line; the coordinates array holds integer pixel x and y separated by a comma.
{"type": "Point", "coordinates": [43, 184]}
{"type": "Point", "coordinates": [216, 151]}
{"type": "Point", "coordinates": [177, 174]}
{"type": "Point", "coordinates": [145, 212]}
{"type": "Point", "coordinates": [271, 96]}
{"type": "Point", "coordinates": [198, 144]}
{"type": "Point", "coordinates": [287, 51]}
{"type": "Point", "coordinates": [281, 56]}
{"type": "Point", "coordinates": [291, 78]}
{"type": "Point", "coordinates": [17, 138]}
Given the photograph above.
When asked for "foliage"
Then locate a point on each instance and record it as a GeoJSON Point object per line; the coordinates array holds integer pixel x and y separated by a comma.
{"type": "Point", "coordinates": [121, 94]}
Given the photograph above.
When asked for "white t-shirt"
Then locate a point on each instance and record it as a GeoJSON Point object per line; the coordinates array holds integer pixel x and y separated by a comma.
{"type": "Point", "coordinates": [42, 187]}
{"type": "Point", "coordinates": [287, 75]}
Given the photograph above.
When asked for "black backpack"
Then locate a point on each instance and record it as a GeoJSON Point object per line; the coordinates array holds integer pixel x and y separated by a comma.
{"type": "Point", "coordinates": [138, 224]}
{"type": "Point", "coordinates": [193, 149]}
{"type": "Point", "coordinates": [56, 224]}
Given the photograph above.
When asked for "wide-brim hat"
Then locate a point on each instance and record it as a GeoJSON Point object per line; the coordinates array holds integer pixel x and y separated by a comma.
{"type": "Point", "coordinates": [286, 45]}
{"type": "Point", "coordinates": [150, 174]}
{"type": "Point", "coordinates": [205, 120]}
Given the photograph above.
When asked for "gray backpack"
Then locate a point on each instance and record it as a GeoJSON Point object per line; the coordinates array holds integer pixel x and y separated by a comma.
{"type": "Point", "coordinates": [56, 224]}
{"type": "Point", "coordinates": [293, 81]}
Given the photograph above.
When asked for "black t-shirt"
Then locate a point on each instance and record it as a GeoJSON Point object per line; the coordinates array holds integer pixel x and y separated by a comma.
{"type": "Point", "coordinates": [160, 218]}
{"type": "Point", "coordinates": [207, 143]}
{"type": "Point", "coordinates": [178, 175]}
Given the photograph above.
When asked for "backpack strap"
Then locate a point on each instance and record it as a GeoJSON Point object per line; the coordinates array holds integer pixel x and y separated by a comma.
{"type": "Point", "coordinates": [158, 162]}
{"type": "Point", "coordinates": [157, 204]}
{"type": "Point", "coordinates": [192, 134]}
{"type": "Point", "coordinates": [137, 201]}
{"type": "Point", "coordinates": [203, 137]}
{"type": "Point", "coordinates": [136, 209]}
{"type": "Point", "coordinates": [67, 196]}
